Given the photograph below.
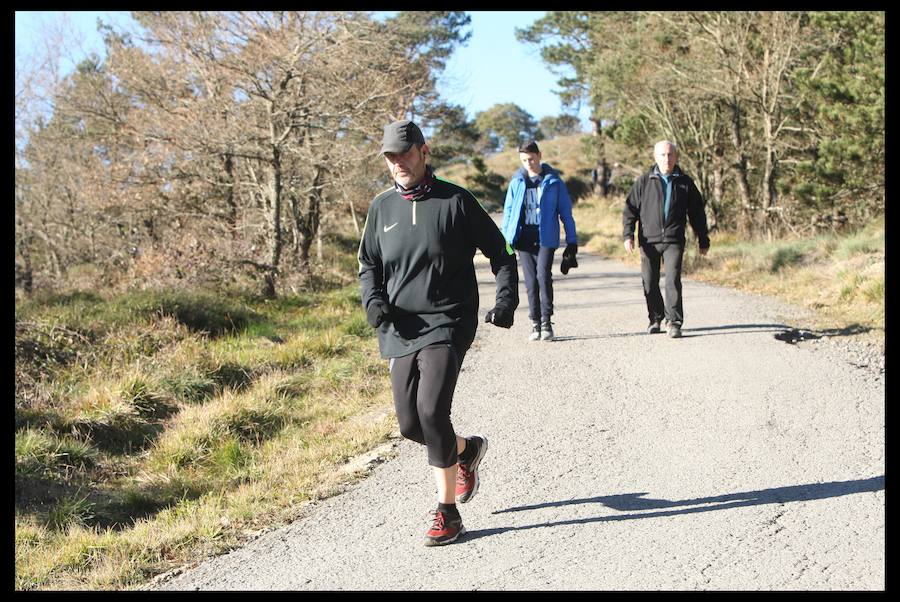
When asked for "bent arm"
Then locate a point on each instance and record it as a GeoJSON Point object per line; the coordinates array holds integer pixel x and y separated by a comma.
{"type": "Point", "coordinates": [697, 217]}
{"type": "Point", "coordinates": [631, 213]}
{"type": "Point", "coordinates": [488, 238]}
{"type": "Point", "coordinates": [564, 206]}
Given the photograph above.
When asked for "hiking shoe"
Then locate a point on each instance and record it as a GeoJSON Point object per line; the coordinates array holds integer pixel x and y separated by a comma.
{"type": "Point", "coordinates": [653, 328]}
{"type": "Point", "coordinates": [467, 474]}
{"type": "Point", "coordinates": [444, 529]}
{"type": "Point", "coordinates": [535, 331]}
{"type": "Point", "coordinates": [674, 331]}
{"type": "Point", "coordinates": [546, 331]}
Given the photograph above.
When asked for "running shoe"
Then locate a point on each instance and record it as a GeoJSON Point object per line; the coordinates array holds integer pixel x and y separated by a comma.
{"type": "Point", "coordinates": [443, 529]}
{"type": "Point", "coordinates": [546, 331]}
{"type": "Point", "coordinates": [467, 474]}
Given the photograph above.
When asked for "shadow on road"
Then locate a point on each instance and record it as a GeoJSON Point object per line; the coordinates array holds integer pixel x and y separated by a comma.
{"type": "Point", "coordinates": [570, 276]}
{"type": "Point", "coordinates": [782, 332]}
{"type": "Point", "coordinates": [636, 505]}
{"type": "Point", "coordinates": [686, 332]}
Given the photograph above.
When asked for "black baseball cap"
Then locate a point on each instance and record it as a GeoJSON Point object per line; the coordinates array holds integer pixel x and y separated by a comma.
{"type": "Point", "coordinates": [399, 137]}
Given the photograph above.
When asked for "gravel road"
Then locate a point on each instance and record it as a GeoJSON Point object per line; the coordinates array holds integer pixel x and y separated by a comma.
{"type": "Point", "coordinates": [724, 460]}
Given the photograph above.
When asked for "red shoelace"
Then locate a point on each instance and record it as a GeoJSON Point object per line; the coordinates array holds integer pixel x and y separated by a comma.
{"type": "Point", "coordinates": [438, 524]}
{"type": "Point", "coordinates": [463, 475]}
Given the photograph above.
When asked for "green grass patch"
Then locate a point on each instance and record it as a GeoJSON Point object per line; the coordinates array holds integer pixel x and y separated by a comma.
{"type": "Point", "coordinates": [41, 453]}
{"type": "Point", "coordinates": [787, 256]}
{"type": "Point", "coordinates": [863, 243]}
{"type": "Point", "coordinates": [68, 511]}
{"type": "Point", "coordinates": [190, 386]}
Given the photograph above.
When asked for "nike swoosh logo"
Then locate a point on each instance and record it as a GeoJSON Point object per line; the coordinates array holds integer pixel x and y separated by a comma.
{"type": "Point", "coordinates": [386, 228]}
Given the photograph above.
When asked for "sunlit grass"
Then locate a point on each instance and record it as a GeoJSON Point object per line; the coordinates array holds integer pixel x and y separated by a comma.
{"type": "Point", "coordinates": [839, 278]}
{"type": "Point", "coordinates": [185, 442]}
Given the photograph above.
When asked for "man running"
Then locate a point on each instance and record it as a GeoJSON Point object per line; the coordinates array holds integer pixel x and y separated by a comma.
{"type": "Point", "coordinates": [419, 290]}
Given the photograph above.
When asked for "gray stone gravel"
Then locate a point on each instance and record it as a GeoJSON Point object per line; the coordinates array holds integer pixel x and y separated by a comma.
{"type": "Point", "coordinates": [724, 460]}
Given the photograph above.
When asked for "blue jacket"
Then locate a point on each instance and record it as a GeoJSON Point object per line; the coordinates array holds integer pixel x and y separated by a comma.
{"type": "Point", "coordinates": [555, 205]}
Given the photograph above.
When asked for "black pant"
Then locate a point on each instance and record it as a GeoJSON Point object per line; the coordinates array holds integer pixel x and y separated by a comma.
{"type": "Point", "coordinates": [536, 268]}
{"type": "Point", "coordinates": [423, 383]}
{"type": "Point", "coordinates": [671, 254]}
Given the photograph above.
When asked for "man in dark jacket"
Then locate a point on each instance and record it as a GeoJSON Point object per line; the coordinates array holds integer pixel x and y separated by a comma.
{"type": "Point", "coordinates": [661, 201]}
{"type": "Point", "coordinates": [419, 290]}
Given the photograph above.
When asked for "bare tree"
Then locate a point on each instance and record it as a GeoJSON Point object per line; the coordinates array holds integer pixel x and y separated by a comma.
{"type": "Point", "coordinates": [212, 141]}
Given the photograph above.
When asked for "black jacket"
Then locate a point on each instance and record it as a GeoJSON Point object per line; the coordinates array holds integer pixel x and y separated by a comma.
{"type": "Point", "coordinates": [645, 203]}
{"type": "Point", "coordinates": [418, 257]}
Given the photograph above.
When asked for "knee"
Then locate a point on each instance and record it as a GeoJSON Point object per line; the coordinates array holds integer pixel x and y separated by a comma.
{"type": "Point", "coordinates": [411, 429]}
{"type": "Point", "coordinates": [432, 419]}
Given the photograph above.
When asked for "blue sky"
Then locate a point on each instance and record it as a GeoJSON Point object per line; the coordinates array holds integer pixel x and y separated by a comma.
{"type": "Point", "coordinates": [492, 68]}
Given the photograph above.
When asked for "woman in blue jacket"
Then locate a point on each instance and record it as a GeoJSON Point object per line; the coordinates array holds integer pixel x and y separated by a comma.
{"type": "Point", "coordinates": [536, 201]}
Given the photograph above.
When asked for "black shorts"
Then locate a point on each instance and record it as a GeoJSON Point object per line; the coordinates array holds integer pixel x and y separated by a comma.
{"type": "Point", "coordinates": [423, 383]}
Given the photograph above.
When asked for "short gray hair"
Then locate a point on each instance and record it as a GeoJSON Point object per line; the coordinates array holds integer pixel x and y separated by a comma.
{"type": "Point", "coordinates": [672, 144]}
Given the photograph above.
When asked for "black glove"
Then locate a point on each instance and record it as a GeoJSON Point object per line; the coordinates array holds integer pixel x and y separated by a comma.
{"type": "Point", "coordinates": [569, 261]}
{"type": "Point", "coordinates": [499, 316]}
{"type": "Point", "coordinates": [377, 312]}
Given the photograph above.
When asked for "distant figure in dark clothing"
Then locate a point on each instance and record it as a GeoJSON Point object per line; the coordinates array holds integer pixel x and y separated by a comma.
{"type": "Point", "coordinates": [662, 200]}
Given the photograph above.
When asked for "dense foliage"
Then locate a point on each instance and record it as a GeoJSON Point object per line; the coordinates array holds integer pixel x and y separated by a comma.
{"type": "Point", "coordinates": [780, 115]}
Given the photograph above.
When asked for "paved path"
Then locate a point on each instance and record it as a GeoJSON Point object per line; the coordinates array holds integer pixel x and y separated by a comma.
{"type": "Point", "coordinates": [620, 461]}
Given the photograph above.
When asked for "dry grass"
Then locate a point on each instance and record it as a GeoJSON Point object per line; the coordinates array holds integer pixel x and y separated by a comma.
{"type": "Point", "coordinates": [839, 278]}
{"type": "Point", "coordinates": [149, 460]}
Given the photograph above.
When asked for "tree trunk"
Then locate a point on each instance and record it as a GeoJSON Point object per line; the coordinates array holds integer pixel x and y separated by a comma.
{"type": "Point", "coordinates": [308, 219]}
{"type": "Point", "coordinates": [718, 189]}
{"type": "Point", "coordinates": [740, 169]}
{"type": "Point", "coordinates": [769, 189]}
{"type": "Point", "coordinates": [26, 278]}
{"type": "Point", "coordinates": [355, 220]}
{"type": "Point", "coordinates": [319, 256]}
{"type": "Point", "coordinates": [229, 196]}
{"type": "Point", "coordinates": [276, 241]}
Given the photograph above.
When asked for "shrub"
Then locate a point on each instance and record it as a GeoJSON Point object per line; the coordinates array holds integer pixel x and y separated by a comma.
{"type": "Point", "coordinates": [860, 244]}
{"type": "Point", "coordinates": [785, 257]}
{"type": "Point", "coordinates": [199, 312]}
